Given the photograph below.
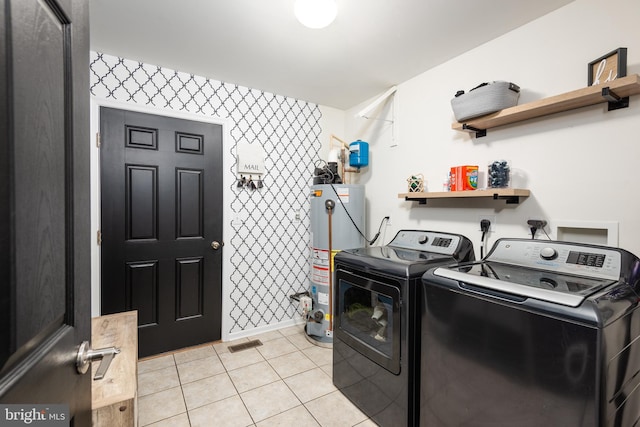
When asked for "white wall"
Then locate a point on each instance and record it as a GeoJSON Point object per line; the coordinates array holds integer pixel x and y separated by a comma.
{"type": "Point", "coordinates": [332, 122]}
{"type": "Point", "coordinates": [579, 165]}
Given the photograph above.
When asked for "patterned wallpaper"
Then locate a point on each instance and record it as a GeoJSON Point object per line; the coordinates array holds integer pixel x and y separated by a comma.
{"type": "Point", "coordinates": [269, 249]}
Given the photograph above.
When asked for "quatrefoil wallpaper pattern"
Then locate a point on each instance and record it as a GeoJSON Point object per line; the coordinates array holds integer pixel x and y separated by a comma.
{"type": "Point", "coordinates": [270, 255]}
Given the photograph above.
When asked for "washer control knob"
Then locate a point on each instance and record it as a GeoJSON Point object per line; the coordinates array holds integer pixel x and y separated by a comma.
{"type": "Point", "coordinates": [423, 239]}
{"type": "Point", "coordinates": [548, 253]}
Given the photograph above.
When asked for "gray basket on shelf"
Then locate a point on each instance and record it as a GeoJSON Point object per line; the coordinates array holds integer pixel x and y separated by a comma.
{"type": "Point", "coordinates": [485, 99]}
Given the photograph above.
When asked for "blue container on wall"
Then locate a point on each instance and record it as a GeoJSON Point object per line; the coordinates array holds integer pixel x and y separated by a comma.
{"type": "Point", "coordinates": [358, 154]}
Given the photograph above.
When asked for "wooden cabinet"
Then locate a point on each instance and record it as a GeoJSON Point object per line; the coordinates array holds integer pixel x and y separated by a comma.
{"type": "Point", "coordinates": [115, 397]}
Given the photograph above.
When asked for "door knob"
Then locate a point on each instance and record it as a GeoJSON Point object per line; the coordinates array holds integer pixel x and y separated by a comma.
{"type": "Point", "coordinates": [216, 245]}
{"type": "Point", "coordinates": [86, 355]}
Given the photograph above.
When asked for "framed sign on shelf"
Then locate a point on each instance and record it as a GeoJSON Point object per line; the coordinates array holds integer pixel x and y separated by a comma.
{"type": "Point", "coordinates": [608, 67]}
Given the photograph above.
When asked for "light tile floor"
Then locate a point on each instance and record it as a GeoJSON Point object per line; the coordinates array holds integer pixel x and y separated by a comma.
{"type": "Point", "coordinates": [284, 382]}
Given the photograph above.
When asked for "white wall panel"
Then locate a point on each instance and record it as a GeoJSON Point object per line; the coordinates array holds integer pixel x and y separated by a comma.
{"type": "Point", "coordinates": [579, 165]}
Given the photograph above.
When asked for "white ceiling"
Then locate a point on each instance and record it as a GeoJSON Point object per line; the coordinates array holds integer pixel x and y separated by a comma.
{"type": "Point", "coordinates": [372, 44]}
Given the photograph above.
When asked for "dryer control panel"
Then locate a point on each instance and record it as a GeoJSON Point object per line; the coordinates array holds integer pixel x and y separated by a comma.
{"type": "Point", "coordinates": [430, 241]}
{"type": "Point", "coordinates": [560, 257]}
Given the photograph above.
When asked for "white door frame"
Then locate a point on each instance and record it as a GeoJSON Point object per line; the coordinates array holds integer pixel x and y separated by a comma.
{"type": "Point", "coordinates": [227, 196]}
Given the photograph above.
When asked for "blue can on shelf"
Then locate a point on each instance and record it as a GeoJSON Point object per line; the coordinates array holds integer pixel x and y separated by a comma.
{"type": "Point", "coordinates": [358, 154]}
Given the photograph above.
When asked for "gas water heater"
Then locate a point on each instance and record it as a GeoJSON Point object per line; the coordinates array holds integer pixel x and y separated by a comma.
{"type": "Point", "coordinates": [337, 219]}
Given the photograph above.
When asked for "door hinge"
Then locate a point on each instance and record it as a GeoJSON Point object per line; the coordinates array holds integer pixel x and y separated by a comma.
{"type": "Point", "coordinates": [99, 237]}
{"type": "Point", "coordinates": [98, 139]}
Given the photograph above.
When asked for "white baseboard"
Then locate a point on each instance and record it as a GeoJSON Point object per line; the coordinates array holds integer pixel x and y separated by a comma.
{"type": "Point", "coordinates": [262, 329]}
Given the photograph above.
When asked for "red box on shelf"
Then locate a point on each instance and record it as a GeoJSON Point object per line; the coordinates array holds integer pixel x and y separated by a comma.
{"type": "Point", "coordinates": [464, 178]}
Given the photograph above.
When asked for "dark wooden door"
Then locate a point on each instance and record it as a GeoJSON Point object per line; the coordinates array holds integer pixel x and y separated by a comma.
{"type": "Point", "coordinates": [161, 181]}
{"type": "Point", "coordinates": [45, 277]}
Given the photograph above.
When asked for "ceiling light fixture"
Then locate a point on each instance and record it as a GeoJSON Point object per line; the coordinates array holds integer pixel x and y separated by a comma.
{"type": "Point", "coordinates": [315, 13]}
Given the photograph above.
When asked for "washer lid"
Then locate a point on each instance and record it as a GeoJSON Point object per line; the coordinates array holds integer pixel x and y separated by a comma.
{"type": "Point", "coordinates": [524, 282]}
{"type": "Point", "coordinates": [393, 261]}
{"type": "Point", "coordinates": [399, 255]}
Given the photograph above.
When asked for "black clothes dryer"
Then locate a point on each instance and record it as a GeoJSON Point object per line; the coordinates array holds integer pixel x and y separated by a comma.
{"type": "Point", "coordinates": [376, 348]}
{"type": "Point", "coordinates": [538, 333]}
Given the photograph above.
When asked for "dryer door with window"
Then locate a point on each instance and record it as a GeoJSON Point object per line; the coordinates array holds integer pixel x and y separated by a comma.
{"type": "Point", "coordinates": [368, 317]}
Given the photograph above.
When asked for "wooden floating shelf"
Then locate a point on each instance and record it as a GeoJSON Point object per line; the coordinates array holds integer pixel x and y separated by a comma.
{"type": "Point", "coordinates": [615, 93]}
{"type": "Point", "coordinates": [511, 195]}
